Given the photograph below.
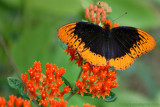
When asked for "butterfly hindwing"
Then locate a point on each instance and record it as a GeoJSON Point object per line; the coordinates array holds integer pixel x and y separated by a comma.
{"type": "Point", "coordinates": [120, 45]}
{"type": "Point", "coordinates": [86, 38]}
{"type": "Point", "coordinates": [128, 43]}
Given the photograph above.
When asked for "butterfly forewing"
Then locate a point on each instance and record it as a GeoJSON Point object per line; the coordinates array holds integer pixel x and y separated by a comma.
{"type": "Point", "coordinates": [128, 43]}
{"type": "Point", "coordinates": [120, 45]}
{"type": "Point", "coordinates": [88, 39]}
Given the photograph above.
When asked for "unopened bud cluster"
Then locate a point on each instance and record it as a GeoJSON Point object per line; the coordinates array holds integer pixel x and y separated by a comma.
{"type": "Point", "coordinates": [97, 13]}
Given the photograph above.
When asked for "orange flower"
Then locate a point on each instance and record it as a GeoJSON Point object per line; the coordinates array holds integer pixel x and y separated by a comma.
{"type": "Point", "coordinates": [26, 103]}
{"type": "Point", "coordinates": [65, 90]}
{"type": "Point", "coordinates": [88, 105]}
{"type": "Point", "coordinates": [19, 102]}
{"type": "Point", "coordinates": [44, 102]}
{"type": "Point", "coordinates": [115, 25]}
{"type": "Point", "coordinates": [54, 103]}
{"type": "Point", "coordinates": [24, 77]}
{"type": "Point", "coordinates": [84, 105]}
{"type": "Point", "coordinates": [13, 100]}
{"type": "Point", "coordinates": [108, 23]}
{"type": "Point", "coordinates": [45, 85]}
{"type": "Point", "coordinates": [2, 101]}
{"type": "Point", "coordinates": [74, 55]}
{"type": "Point", "coordinates": [98, 79]}
{"type": "Point", "coordinates": [82, 87]}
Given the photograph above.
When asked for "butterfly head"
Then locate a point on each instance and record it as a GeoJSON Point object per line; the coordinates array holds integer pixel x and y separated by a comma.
{"type": "Point", "coordinates": [108, 25]}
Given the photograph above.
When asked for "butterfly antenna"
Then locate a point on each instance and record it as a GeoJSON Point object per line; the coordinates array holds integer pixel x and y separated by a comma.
{"type": "Point", "coordinates": [120, 16]}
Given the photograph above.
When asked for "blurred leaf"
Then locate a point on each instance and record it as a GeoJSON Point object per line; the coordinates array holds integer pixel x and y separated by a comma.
{"type": "Point", "coordinates": [58, 7]}
{"type": "Point", "coordinates": [156, 2]}
{"type": "Point", "coordinates": [139, 14]}
{"type": "Point", "coordinates": [143, 71]}
{"type": "Point", "coordinates": [63, 45]}
{"type": "Point", "coordinates": [112, 97]}
{"type": "Point", "coordinates": [17, 84]}
{"type": "Point", "coordinates": [33, 45]}
{"type": "Point", "coordinates": [86, 3]}
{"type": "Point", "coordinates": [84, 20]}
{"type": "Point", "coordinates": [41, 44]}
{"type": "Point", "coordinates": [130, 98]}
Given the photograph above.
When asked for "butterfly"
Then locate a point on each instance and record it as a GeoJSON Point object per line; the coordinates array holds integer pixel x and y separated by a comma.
{"type": "Point", "coordinates": [120, 46]}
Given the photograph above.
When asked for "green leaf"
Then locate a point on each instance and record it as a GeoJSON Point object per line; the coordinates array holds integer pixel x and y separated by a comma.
{"type": "Point", "coordinates": [111, 97]}
{"type": "Point", "coordinates": [138, 13]}
{"type": "Point", "coordinates": [66, 81]}
{"type": "Point", "coordinates": [48, 6]}
{"type": "Point", "coordinates": [36, 45]}
{"type": "Point", "coordinates": [17, 84]}
{"type": "Point", "coordinates": [86, 3]}
{"type": "Point", "coordinates": [84, 20]}
{"type": "Point", "coordinates": [143, 70]}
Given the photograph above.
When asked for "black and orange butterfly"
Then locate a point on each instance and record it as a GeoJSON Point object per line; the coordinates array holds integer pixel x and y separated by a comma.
{"type": "Point", "coordinates": [120, 45]}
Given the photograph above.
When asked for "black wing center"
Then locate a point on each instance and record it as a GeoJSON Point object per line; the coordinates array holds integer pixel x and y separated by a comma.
{"type": "Point", "coordinates": [92, 35]}
{"type": "Point", "coordinates": [121, 41]}
{"type": "Point", "coordinates": [112, 43]}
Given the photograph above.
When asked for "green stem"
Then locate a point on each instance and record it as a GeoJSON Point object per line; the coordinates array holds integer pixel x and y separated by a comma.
{"type": "Point", "coordinates": [2, 42]}
{"type": "Point", "coordinates": [9, 56]}
{"type": "Point", "coordinates": [74, 87]}
{"type": "Point", "coordinates": [69, 96]}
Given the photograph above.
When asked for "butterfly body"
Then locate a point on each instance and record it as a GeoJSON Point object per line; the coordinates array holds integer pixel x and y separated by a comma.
{"type": "Point", "coordinates": [120, 45]}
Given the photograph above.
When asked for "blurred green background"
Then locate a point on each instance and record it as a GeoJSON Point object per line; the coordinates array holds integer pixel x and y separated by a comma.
{"type": "Point", "coordinates": [29, 29]}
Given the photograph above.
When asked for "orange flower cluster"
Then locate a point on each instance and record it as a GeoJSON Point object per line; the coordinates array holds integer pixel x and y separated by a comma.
{"type": "Point", "coordinates": [106, 7]}
{"type": "Point", "coordinates": [13, 100]}
{"type": "Point", "coordinates": [97, 13]}
{"type": "Point", "coordinates": [47, 86]}
{"type": "Point", "coordinates": [98, 79]}
{"type": "Point", "coordinates": [19, 102]}
{"type": "Point", "coordinates": [74, 56]}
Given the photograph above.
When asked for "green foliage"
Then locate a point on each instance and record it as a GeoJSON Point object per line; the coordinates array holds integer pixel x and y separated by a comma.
{"type": "Point", "coordinates": [112, 97]}
{"type": "Point", "coordinates": [18, 85]}
{"type": "Point", "coordinates": [138, 14]}
{"type": "Point", "coordinates": [66, 82]}
{"type": "Point", "coordinates": [86, 3]}
{"type": "Point", "coordinates": [63, 45]}
{"type": "Point", "coordinates": [29, 28]}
